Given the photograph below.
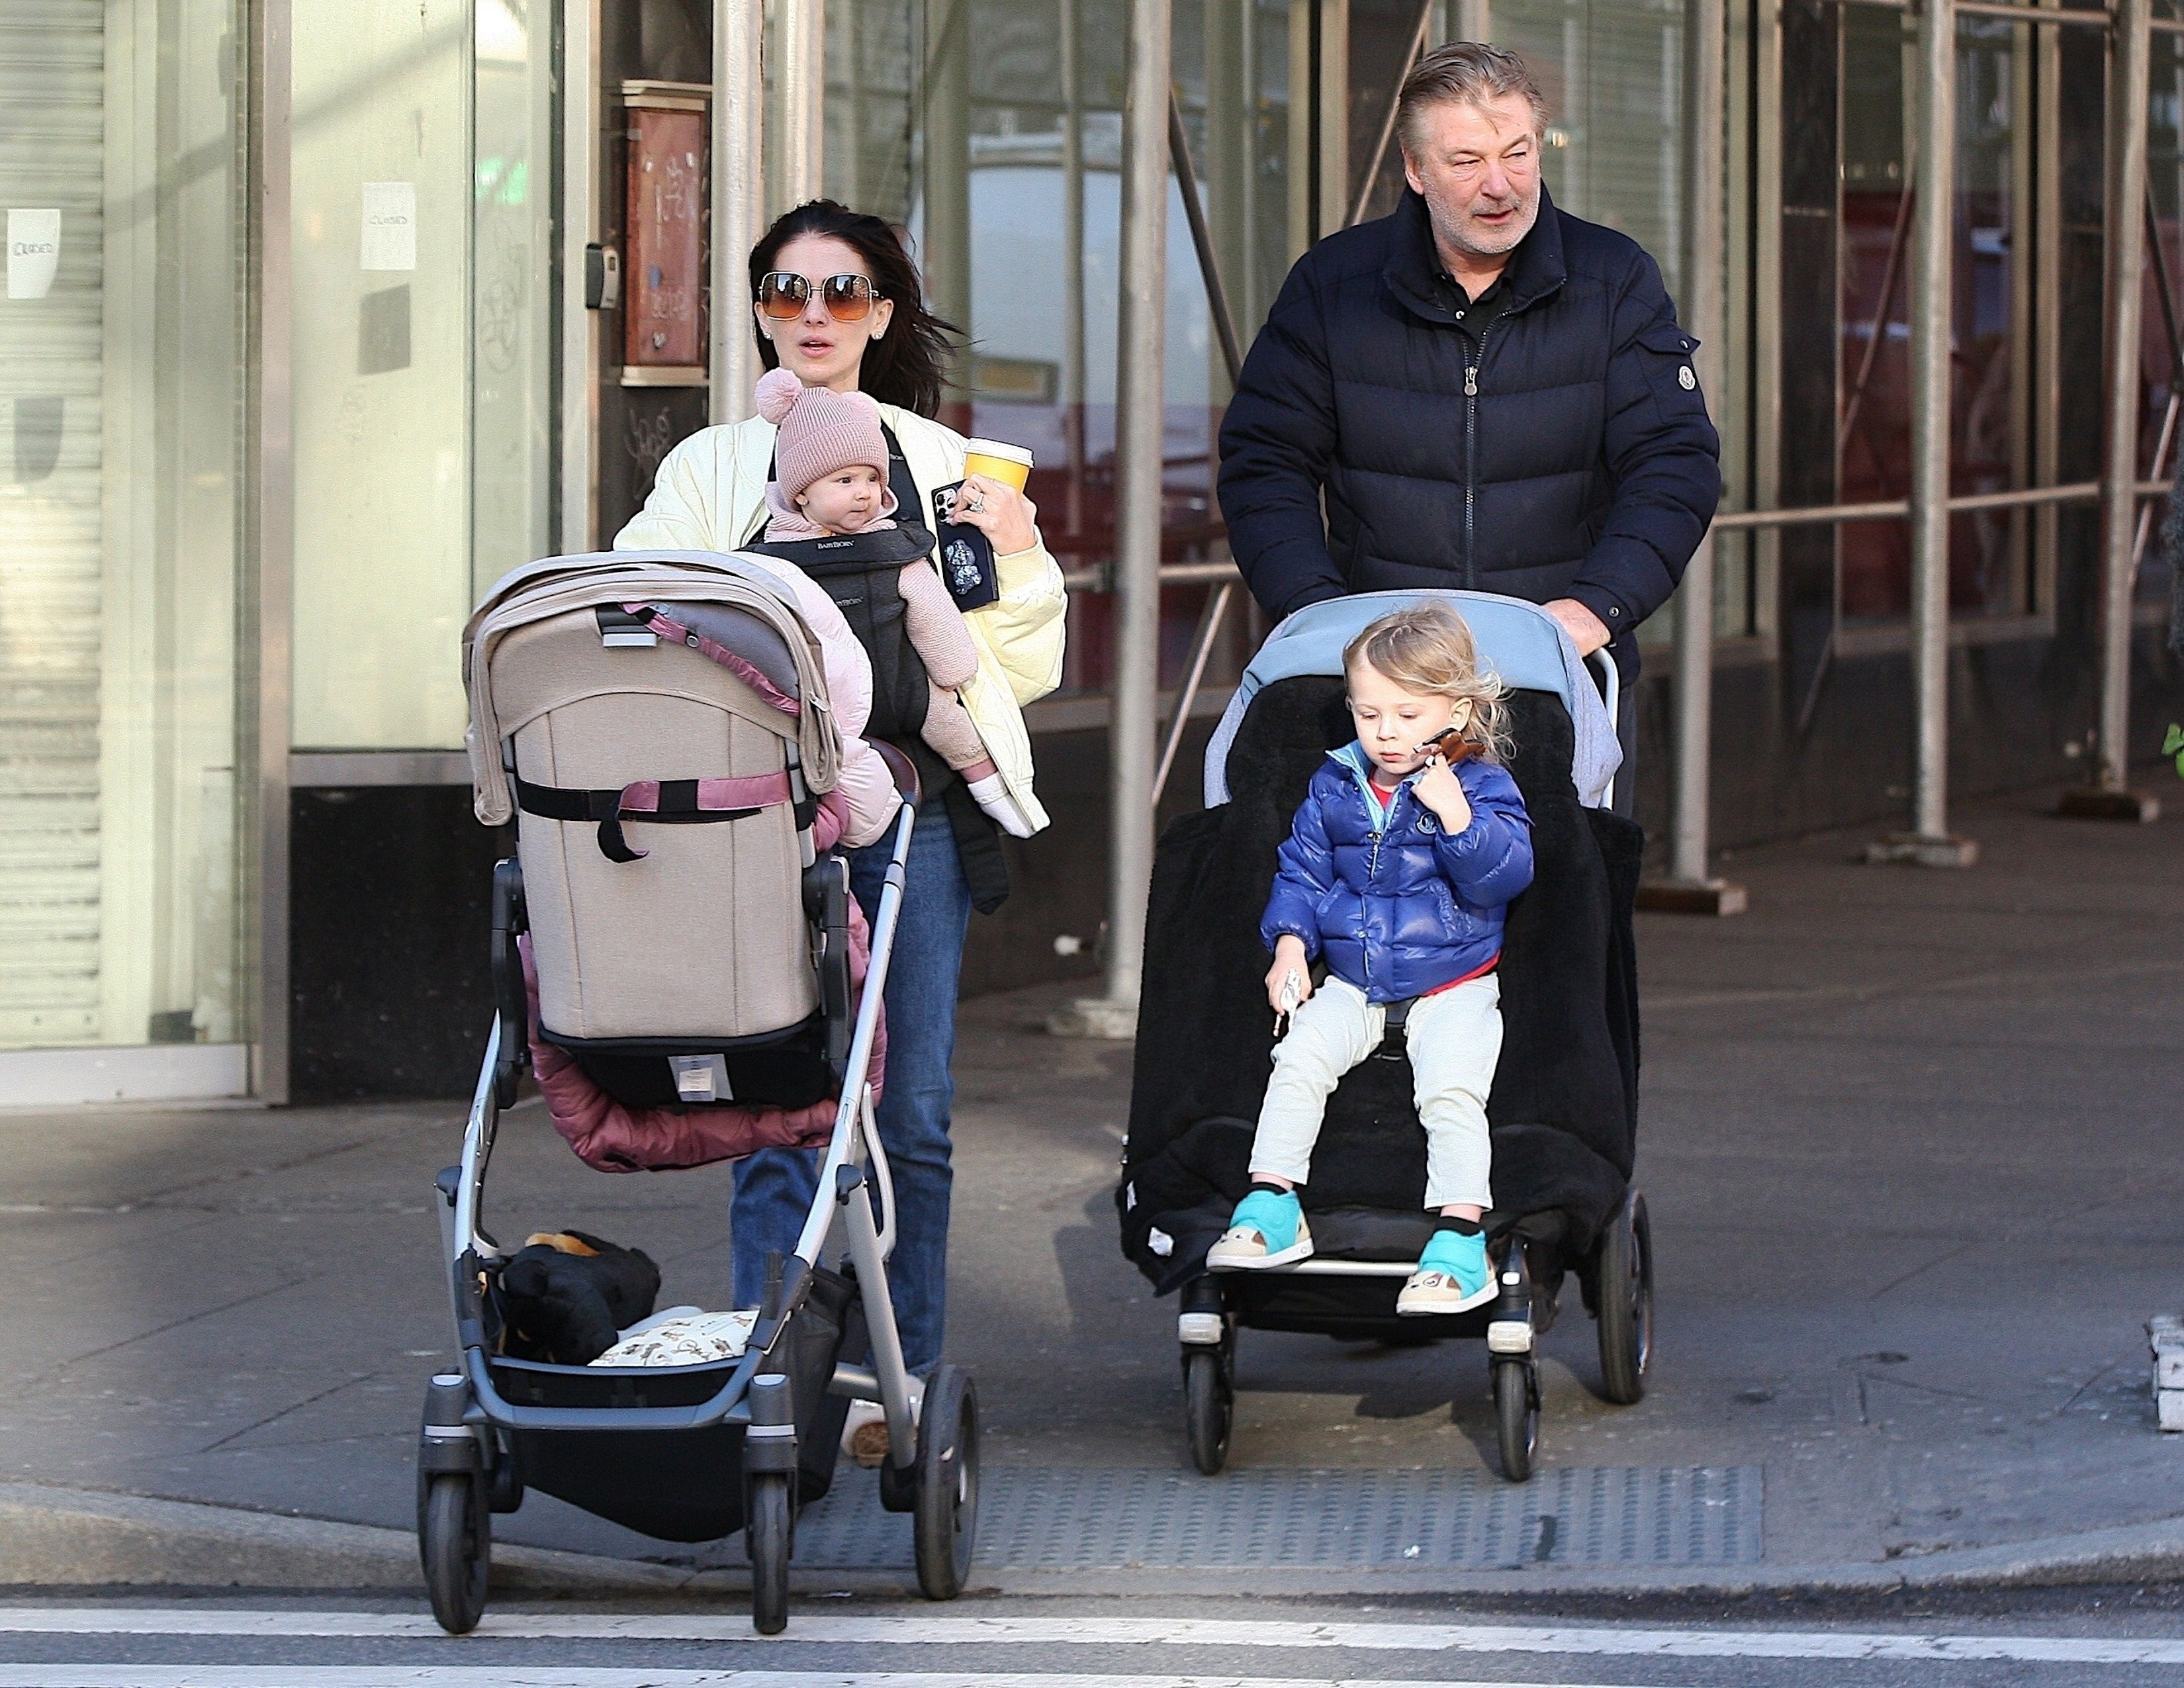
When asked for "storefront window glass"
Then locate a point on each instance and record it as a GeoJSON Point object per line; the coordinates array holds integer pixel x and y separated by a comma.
{"type": "Point", "coordinates": [992, 132]}
{"type": "Point", "coordinates": [122, 362]}
{"type": "Point", "coordinates": [2161, 427]}
{"type": "Point", "coordinates": [512, 289]}
{"type": "Point", "coordinates": [1990, 448]}
{"type": "Point", "coordinates": [1612, 71]}
{"type": "Point", "coordinates": [422, 192]}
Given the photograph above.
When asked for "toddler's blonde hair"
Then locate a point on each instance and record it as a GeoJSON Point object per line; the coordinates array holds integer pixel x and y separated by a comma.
{"type": "Point", "coordinates": [1428, 648]}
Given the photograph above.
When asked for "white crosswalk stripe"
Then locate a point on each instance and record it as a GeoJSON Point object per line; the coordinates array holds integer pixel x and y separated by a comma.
{"type": "Point", "coordinates": [912, 1630]}
{"type": "Point", "coordinates": [563, 1676]}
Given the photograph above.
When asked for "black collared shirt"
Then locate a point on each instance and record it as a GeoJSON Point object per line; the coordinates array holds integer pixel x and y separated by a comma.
{"type": "Point", "coordinates": [1473, 316]}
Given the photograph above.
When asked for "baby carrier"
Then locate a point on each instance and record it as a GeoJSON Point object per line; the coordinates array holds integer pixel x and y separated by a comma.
{"type": "Point", "coordinates": [1563, 1109]}
{"type": "Point", "coordinates": [862, 573]}
{"type": "Point", "coordinates": [657, 725]}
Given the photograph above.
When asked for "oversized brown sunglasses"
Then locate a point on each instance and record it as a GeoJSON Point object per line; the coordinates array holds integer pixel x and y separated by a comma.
{"type": "Point", "coordinates": [782, 294]}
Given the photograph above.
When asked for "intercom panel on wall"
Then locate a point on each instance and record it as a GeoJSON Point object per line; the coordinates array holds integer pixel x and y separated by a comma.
{"type": "Point", "coordinates": [654, 113]}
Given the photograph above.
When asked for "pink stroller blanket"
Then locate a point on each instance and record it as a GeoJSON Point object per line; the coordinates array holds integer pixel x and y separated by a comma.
{"type": "Point", "coordinates": [612, 1137]}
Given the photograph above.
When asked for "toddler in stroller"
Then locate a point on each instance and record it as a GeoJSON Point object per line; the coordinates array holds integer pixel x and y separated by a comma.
{"type": "Point", "coordinates": [1563, 1102]}
{"type": "Point", "coordinates": [1410, 843]}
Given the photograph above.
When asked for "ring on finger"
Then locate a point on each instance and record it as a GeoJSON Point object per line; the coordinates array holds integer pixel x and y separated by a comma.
{"type": "Point", "coordinates": [976, 501]}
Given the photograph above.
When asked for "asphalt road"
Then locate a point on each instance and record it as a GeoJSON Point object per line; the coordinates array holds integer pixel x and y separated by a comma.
{"type": "Point", "coordinates": [2085, 1639]}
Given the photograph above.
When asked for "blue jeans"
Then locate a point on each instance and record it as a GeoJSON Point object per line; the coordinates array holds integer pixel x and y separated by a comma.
{"type": "Point", "coordinates": [774, 1187]}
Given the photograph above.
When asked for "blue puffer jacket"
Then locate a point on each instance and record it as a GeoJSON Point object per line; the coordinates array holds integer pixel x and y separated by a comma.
{"type": "Point", "coordinates": [1400, 909]}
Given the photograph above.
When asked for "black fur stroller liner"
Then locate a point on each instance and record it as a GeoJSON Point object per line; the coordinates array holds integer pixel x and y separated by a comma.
{"type": "Point", "coordinates": [1563, 1109]}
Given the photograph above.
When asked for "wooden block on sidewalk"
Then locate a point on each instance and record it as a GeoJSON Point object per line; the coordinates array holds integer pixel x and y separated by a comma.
{"type": "Point", "coordinates": [1689, 896]}
{"type": "Point", "coordinates": [2093, 803]}
{"type": "Point", "coordinates": [1915, 850]}
{"type": "Point", "coordinates": [2164, 1334]}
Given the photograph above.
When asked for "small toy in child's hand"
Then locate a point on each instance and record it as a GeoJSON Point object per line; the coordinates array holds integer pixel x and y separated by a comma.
{"type": "Point", "coordinates": [1292, 994]}
{"type": "Point", "coordinates": [1439, 744]}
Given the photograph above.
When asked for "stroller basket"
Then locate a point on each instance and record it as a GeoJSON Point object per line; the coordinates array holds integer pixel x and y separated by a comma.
{"type": "Point", "coordinates": [613, 1472]}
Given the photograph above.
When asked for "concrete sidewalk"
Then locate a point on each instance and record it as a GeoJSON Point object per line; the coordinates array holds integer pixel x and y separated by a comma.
{"type": "Point", "coordinates": [1909, 1142]}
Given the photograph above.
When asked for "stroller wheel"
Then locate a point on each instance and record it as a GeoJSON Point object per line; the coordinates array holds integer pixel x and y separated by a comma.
{"type": "Point", "coordinates": [947, 1510]}
{"type": "Point", "coordinates": [1209, 1405]}
{"type": "Point", "coordinates": [1623, 1297]}
{"type": "Point", "coordinates": [766, 1538]}
{"type": "Point", "coordinates": [455, 1536]}
{"type": "Point", "coordinates": [1517, 1415]}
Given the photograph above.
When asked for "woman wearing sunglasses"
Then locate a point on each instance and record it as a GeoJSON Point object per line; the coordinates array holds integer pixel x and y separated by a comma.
{"type": "Point", "coordinates": [837, 302]}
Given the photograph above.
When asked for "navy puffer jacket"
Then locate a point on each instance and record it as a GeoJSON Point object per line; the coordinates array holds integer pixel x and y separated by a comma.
{"type": "Point", "coordinates": [1570, 456]}
{"type": "Point", "coordinates": [1399, 907]}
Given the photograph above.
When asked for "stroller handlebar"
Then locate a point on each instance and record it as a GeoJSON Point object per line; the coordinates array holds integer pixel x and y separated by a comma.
{"type": "Point", "coordinates": [902, 768]}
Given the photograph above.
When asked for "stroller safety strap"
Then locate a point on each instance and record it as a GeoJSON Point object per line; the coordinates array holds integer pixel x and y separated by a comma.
{"type": "Point", "coordinates": [674, 800]}
{"type": "Point", "coordinates": [741, 666]}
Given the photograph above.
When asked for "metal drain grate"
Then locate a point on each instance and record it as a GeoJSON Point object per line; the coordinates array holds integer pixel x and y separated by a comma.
{"type": "Point", "coordinates": [1069, 1519]}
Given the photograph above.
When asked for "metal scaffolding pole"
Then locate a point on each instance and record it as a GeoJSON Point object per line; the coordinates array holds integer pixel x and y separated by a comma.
{"type": "Point", "coordinates": [1334, 91]}
{"type": "Point", "coordinates": [947, 236]}
{"type": "Point", "coordinates": [1138, 462]}
{"type": "Point", "coordinates": [802, 94]}
{"type": "Point", "coordinates": [1069, 24]}
{"type": "Point", "coordinates": [2129, 75]}
{"type": "Point", "coordinates": [1224, 332]}
{"type": "Point", "coordinates": [1927, 843]}
{"type": "Point", "coordinates": [1689, 889]}
{"type": "Point", "coordinates": [739, 200]}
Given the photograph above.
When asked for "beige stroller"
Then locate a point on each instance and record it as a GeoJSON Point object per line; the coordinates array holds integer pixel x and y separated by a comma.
{"type": "Point", "coordinates": [656, 723]}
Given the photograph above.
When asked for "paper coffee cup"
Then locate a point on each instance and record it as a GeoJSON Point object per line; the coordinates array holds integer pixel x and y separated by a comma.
{"type": "Point", "coordinates": [997, 461]}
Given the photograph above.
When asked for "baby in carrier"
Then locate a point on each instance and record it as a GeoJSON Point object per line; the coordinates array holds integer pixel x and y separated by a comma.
{"type": "Point", "coordinates": [1398, 872]}
{"type": "Point", "coordinates": [831, 478]}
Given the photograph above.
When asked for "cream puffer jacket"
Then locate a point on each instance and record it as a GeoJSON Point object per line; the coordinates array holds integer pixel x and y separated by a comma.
{"type": "Point", "coordinates": [709, 495]}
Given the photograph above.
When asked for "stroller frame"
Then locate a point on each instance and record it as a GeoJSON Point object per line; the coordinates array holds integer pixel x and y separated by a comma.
{"type": "Point", "coordinates": [1618, 1289]}
{"type": "Point", "coordinates": [466, 1464]}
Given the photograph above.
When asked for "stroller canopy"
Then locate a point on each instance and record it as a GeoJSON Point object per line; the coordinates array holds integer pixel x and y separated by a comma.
{"type": "Point", "coordinates": [1520, 642]}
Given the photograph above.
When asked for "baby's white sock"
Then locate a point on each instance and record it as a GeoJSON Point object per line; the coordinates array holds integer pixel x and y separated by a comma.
{"type": "Point", "coordinates": [994, 797]}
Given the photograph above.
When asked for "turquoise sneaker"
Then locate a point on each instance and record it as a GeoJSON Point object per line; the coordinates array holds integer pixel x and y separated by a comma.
{"type": "Point", "coordinates": [1268, 1230]}
{"type": "Point", "coordinates": [1452, 1276]}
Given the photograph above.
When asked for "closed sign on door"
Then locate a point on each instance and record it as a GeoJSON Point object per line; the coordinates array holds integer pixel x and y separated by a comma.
{"type": "Point", "coordinates": [34, 252]}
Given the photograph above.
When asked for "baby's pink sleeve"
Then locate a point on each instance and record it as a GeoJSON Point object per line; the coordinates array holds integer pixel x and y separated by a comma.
{"type": "Point", "coordinates": [866, 789]}
{"type": "Point", "coordinates": [936, 627]}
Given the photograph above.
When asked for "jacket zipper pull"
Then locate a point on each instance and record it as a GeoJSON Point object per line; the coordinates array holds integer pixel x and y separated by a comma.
{"type": "Point", "coordinates": [1471, 382]}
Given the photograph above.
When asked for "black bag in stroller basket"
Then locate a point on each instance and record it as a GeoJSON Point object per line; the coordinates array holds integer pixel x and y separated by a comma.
{"type": "Point", "coordinates": [617, 1473]}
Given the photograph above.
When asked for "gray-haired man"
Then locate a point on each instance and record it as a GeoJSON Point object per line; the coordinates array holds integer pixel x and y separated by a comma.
{"type": "Point", "coordinates": [1485, 392]}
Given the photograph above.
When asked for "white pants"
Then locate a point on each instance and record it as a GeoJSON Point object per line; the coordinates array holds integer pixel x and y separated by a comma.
{"type": "Point", "coordinates": [1454, 1040]}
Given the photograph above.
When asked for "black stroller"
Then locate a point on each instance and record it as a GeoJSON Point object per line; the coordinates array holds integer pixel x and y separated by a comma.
{"type": "Point", "coordinates": [677, 700]}
{"type": "Point", "coordinates": [1564, 1109]}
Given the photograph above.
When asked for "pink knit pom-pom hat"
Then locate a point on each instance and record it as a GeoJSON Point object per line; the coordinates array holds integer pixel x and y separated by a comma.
{"type": "Point", "coordinates": [822, 432]}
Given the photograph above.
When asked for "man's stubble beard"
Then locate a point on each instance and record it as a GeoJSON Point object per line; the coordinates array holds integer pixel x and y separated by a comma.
{"type": "Point", "coordinates": [1462, 238]}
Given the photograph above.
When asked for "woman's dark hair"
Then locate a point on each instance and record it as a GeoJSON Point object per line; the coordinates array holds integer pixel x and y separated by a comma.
{"type": "Point", "coordinates": [904, 367]}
